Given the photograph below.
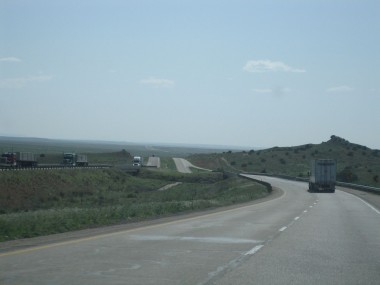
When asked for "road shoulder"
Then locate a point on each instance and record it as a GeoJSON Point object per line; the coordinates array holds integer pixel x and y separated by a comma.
{"type": "Point", "coordinates": [371, 198]}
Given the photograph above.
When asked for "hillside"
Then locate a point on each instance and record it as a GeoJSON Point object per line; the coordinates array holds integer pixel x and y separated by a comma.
{"type": "Point", "coordinates": [356, 163]}
{"type": "Point", "coordinates": [34, 203]}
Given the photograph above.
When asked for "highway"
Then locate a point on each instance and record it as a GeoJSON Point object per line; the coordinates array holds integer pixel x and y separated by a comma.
{"type": "Point", "coordinates": [154, 161]}
{"type": "Point", "coordinates": [184, 166]}
{"type": "Point", "coordinates": [295, 238]}
{"type": "Point", "coordinates": [53, 166]}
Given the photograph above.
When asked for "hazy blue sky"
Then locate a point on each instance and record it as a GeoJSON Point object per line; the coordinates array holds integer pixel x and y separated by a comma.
{"type": "Point", "coordinates": [251, 73]}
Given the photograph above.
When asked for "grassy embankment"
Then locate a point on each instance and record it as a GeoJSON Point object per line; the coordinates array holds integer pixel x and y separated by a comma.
{"type": "Point", "coordinates": [356, 164]}
{"type": "Point", "coordinates": [40, 202]}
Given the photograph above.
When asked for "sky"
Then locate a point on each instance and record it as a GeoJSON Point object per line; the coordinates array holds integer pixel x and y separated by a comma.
{"type": "Point", "coordinates": [241, 73]}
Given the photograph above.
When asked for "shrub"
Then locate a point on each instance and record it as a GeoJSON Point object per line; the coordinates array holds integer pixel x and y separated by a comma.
{"type": "Point", "coordinates": [111, 206]}
{"type": "Point", "coordinates": [347, 175]}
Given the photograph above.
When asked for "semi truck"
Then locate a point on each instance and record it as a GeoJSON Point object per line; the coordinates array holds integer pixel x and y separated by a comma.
{"type": "Point", "coordinates": [73, 159]}
{"type": "Point", "coordinates": [18, 159]}
{"type": "Point", "coordinates": [323, 175]}
{"type": "Point", "coordinates": [137, 161]}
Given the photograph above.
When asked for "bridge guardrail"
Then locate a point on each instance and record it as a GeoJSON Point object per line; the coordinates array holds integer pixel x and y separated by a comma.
{"type": "Point", "coordinates": [266, 184]}
{"type": "Point", "coordinates": [359, 187]}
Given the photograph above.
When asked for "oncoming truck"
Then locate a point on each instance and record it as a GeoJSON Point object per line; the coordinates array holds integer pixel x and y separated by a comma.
{"type": "Point", "coordinates": [18, 159]}
{"type": "Point", "coordinates": [323, 175]}
{"type": "Point", "coordinates": [73, 159]}
{"type": "Point", "coordinates": [137, 161]}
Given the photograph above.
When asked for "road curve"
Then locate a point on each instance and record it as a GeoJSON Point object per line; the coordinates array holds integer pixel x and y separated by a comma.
{"type": "Point", "coordinates": [298, 238]}
{"type": "Point", "coordinates": [184, 165]}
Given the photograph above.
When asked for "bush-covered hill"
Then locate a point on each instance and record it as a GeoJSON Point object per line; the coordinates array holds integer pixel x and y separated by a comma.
{"type": "Point", "coordinates": [356, 163]}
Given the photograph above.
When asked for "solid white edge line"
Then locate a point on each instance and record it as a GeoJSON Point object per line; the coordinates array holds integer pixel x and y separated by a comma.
{"type": "Point", "coordinates": [369, 205]}
{"type": "Point", "coordinates": [254, 250]}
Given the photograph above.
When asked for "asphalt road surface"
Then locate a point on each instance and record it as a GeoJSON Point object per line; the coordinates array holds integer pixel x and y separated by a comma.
{"type": "Point", "coordinates": [184, 166]}
{"type": "Point", "coordinates": [296, 238]}
{"type": "Point", "coordinates": [154, 161]}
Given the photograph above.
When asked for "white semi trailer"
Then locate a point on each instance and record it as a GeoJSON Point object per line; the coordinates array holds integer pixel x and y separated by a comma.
{"type": "Point", "coordinates": [323, 175]}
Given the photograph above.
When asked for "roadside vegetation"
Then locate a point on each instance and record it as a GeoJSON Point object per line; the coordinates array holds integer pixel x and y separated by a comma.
{"type": "Point", "coordinates": [41, 202]}
{"type": "Point", "coordinates": [356, 163]}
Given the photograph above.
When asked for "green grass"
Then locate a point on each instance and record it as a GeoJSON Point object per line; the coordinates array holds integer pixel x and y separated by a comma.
{"type": "Point", "coordinates": [167, 163]}
{"type": "Point", "coordinates": [39, 202]}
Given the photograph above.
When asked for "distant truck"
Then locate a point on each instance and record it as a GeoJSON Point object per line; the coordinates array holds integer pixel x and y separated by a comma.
{"type": "Point", "coordinates": [18, 159]}
{"type": "Point", "coordinates": [8, 160]}
{"type": "Point", "coordinates": [26, 159]}
{"type": "Point", "coordinates": [73, 159]}
{"type": "Point", "coordinates": [323, 175]}
{"type": "Point", "coordinates": [138, 161]}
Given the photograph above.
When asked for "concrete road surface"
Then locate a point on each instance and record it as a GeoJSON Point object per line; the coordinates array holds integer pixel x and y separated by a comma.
{"type": "Point", "coordinates": [297, 238]}
{"type": "Point", "coordinates": [184, 165]}
{"type": "Point", "coordinates": [154, 161]}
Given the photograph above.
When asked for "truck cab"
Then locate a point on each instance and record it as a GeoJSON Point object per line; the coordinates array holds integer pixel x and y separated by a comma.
{"type": "Point", "coordinates": [9, 159]}
{"type": "Point", "coordinates": [69, 159]}
{"type": "Point", "coordinates": [137, 161]}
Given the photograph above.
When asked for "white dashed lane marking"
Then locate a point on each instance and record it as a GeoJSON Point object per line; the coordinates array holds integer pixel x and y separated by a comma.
{"type": "Point", "coordinates": [254, 250]}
